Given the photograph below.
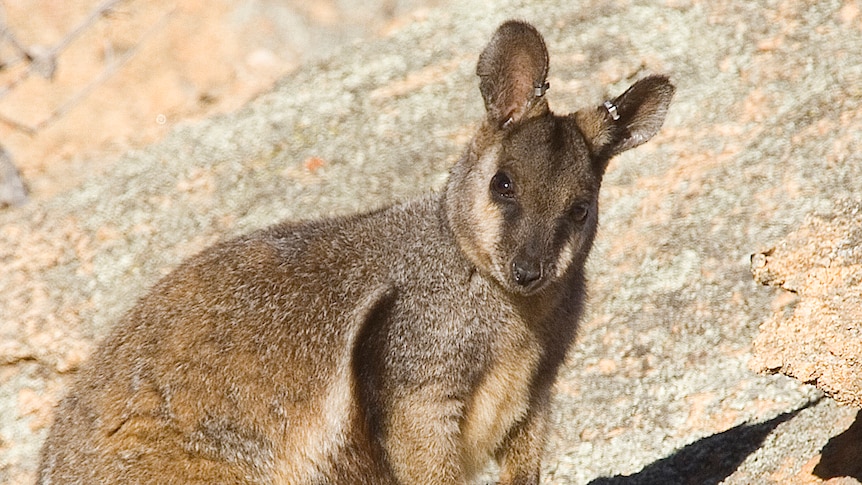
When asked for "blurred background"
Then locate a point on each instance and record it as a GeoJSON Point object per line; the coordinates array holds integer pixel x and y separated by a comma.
{"type": "Point", "coordinates": [82, 80]}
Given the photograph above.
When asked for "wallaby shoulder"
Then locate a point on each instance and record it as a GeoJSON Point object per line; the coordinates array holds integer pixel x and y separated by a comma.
{"type": "Point", "coordinates": [322, 322]}
{"type": "Point", "coordinates": [407, 345]}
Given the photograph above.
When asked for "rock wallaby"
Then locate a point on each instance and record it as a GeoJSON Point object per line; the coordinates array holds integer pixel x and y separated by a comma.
{"type": "Point", "coordinates": [409, 345]}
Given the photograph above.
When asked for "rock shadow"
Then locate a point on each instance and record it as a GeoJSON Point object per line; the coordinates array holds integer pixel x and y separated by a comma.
{"type": "Point", "coordinates": [706, 461]}
{"type": "Point", "coordinates": [842, 455]}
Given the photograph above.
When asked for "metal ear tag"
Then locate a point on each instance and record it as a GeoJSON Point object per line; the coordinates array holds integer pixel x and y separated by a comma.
{"type": "Point", "coordinates": [540, 91]}
{"type": "Point", "coordinates": [612, 110]}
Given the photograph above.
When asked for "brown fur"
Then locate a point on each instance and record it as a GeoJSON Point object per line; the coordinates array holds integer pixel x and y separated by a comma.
{"type": "Point", "coordinates": [410, 345]}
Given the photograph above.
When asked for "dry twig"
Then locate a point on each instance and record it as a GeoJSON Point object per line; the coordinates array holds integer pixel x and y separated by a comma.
{"type": "Point", "coordinates": [44, 61]}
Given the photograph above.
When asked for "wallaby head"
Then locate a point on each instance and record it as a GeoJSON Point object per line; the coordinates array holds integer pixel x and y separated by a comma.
{"type": "Point", "coordinates": [392, 347]}
{"type": "Point", "coordinates": [523, 200]}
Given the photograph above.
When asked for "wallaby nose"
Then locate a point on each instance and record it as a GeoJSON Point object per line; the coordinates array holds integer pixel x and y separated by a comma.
{"type": "Point", "coordinates": [526, 272]}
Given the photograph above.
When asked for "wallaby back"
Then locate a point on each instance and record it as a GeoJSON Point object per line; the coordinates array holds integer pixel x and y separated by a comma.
{"type": "Point", "coordinates": [404, 346]}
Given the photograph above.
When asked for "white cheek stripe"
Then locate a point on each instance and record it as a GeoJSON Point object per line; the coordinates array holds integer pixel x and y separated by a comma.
{"type": "Point", "coordinates": [565, 258]}
{"type": "Point", "coordinates": [486, 216]}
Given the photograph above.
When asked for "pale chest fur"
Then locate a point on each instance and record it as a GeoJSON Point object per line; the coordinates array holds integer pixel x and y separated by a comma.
{"type": "Point", "coordinates": [501, 399]}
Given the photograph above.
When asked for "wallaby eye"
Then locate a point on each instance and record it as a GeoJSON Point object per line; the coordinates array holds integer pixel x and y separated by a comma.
{"type": "Point", "coordinates": [580, 212]}
{"type": "Point", "coordinates": [503, 186]}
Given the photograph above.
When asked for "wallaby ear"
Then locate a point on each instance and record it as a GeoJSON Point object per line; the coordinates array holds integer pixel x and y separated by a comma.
{"type": "Point", "coordinates": [512, 71]}
{"type": "Point", "coordinates": [627, 121]}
